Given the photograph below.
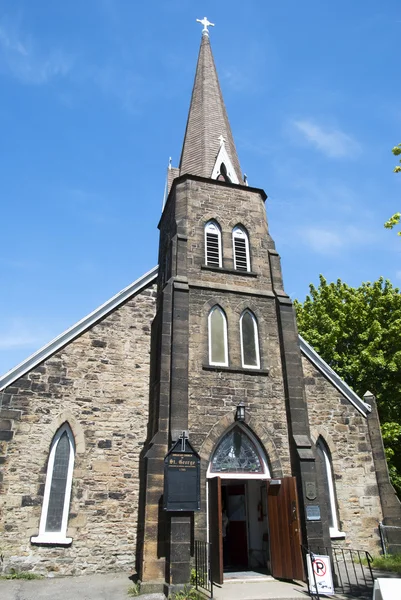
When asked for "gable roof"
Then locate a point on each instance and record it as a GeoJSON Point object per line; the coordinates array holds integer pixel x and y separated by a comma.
{"type": "Point", "coordinates": [76, 330]}
{"type": "Point", "coordinates": [134, 288]}
{"type": "Point", "coordinates": [332, 376]}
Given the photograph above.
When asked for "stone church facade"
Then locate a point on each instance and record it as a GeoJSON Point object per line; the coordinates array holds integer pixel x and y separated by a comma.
{"type": "Point", "coordinates": [86, 422]}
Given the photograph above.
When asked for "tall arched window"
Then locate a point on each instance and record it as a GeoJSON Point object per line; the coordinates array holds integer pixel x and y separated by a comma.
{"type": "Point", "coordinates": [213, 255]}
{"type": "Point", "coordinates": [324, 454]}
{"type": "Point", "coordinates": [249, 341]}
{"type": "Point", "coordinates": [56, 501]}
{"type": "Point", "coordinates": [218, 351]}
{"type": "Point", "coordinates": [241, 249]}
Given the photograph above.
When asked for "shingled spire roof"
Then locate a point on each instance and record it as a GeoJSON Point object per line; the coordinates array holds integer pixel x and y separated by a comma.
{"type": "Point", "coordinates": [207, 121]}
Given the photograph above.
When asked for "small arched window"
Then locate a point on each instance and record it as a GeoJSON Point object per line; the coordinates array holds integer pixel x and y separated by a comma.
{"type": "Point", "coordinates": [218, 351]}
{"type": "Point", "coordinates": [213, 255]}
{"type": "Point", "coordinates": [223, 176]}
{"type": "Point", "coordinates": [56, 501]}
{"type": "Point", "coordinates": [249, 341]}
{"type": "Point", "coordinates": [324, 454]}
{"type": "Point", "coordinates": [241, 249]}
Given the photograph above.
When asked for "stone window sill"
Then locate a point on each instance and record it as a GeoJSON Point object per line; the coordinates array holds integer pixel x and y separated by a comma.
{"type": "Point", "coordinates": [336, 535]}
{"type": "Point", "coordinates": [48, 539]}
{"type": "Point", "coordinates": [229, 271]}
{"type": "Point", "coordinates": [235, 370]}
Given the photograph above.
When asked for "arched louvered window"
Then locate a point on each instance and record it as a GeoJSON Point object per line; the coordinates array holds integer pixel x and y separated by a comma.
{"type": "Point", "coordinates": [249, 341]}
{"type": "Point", "coordinates": [213, 244]}
{"type": "Point", "coordinates": [241, 249]}
{"type": "Point", "coordinates": [324, 454]}
{"type": "Point", "coordinates": [218, 350]}
{"type": "Point", "coordinates": [56, 501]}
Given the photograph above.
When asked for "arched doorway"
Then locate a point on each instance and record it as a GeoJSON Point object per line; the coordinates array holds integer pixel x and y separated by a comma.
{"type": "Point", "coordinates": [253, 520]}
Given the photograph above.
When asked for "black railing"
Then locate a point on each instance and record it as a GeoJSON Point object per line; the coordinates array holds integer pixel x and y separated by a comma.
{"type": "Point", "coordinates": [352, 570]}
{"type": "Point", "coordinates": [203, 567]}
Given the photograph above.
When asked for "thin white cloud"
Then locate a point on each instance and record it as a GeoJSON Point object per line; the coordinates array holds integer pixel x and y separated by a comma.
{"type": "Point", "coordinates": [30, 62]}
{"type": "Point", "coordinates": [332, 142]}
{"type": "Point", "coordinates": [20, 334]}
{"type": "Point", "coordinates": [21, 57]}
{"type": "Point", "coordinates": [333, 240]}
{"type": "Point", "coordinates": [323, 241]}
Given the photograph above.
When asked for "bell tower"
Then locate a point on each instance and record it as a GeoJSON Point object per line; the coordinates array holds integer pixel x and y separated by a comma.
{"type": "Point", "coordinates": [224, 335]}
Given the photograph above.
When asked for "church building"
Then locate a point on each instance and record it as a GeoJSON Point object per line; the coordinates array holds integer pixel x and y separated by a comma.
{"type": "Point", "coordinates": [199, 356]}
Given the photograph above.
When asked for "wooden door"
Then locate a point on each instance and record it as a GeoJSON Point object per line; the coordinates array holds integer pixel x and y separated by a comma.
{"type": "Point", "coordinates": [284, 530]}
{"type": "Point", "coordinates": [215, 529]}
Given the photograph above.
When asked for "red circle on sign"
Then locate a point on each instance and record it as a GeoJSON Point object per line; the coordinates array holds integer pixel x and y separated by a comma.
{"type": "Point", "coordinates": [319, 567]}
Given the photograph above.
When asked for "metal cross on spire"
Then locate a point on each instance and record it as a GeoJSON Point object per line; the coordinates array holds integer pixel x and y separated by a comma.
{"type": "Point", "coordinates": [205, 24]}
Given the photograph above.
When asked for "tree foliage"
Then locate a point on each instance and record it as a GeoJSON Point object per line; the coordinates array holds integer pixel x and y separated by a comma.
{"type": "Point", "coordinates": [395, 219]}
{"type": "Point", "coordinates": [397, 151]}
{"type": "Point", "coordinates": [357, 331]}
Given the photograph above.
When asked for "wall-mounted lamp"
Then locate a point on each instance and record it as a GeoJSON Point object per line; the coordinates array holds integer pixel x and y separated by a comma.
{"type": "Point", "coordinates": [240, 412]}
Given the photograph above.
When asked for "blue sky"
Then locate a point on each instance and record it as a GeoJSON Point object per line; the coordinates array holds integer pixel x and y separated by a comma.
{"type": "Point", "coordinates": [94, 100]}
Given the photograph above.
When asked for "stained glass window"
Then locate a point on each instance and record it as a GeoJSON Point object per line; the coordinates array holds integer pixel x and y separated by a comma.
{"type": "Point", "coordinates": [217, 337]}
{"type": "Point", "coordinates": [249, 341]}
{"type": "Point", "coordinates": [58, 484]}
{"type": "Point", "coordinates": [236, 453]}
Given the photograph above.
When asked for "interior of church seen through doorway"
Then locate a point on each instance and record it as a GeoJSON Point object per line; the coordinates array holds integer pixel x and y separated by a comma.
{"type": "Point", "coordinates": [244, 525]}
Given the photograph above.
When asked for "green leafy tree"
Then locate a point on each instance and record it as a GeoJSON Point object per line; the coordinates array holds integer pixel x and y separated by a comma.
{"type": "Point", "coordinates": [357, 331]}
{"type": "Point", "coordinates": [395, 219]}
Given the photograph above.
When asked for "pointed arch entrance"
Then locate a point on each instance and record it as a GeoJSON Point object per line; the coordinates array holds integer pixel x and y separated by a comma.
{"type": "Point", "coordinates": [253, 520]}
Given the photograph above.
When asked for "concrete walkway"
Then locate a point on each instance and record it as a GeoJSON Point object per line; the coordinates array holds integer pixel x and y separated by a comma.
{"type": "Point", "coordinates": [115, 587]}
{"type": "Point", "coordinates": [261, 590]}
{"type": "Point", "coordinates": [90, 587]}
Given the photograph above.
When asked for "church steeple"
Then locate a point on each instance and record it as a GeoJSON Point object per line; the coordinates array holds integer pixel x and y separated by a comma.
{"type": "Point", "coordinates": [208, 142]}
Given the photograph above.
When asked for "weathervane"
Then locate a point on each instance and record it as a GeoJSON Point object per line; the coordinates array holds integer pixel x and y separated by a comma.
{"type": "Point", "coordinates": [205, 24]}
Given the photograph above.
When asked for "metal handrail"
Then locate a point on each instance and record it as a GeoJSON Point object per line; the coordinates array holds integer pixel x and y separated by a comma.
{"type": "Point", "coordinates": [203, 567]}
{"type": "Point", "coordinates": [347, 566]}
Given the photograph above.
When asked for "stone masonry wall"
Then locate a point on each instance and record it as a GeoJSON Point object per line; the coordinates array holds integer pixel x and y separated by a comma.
{"type": "Point", "coordinates": [99, 383]}
{"type": "Point", "coordinates": [214, 394]}
{"type": "Point", "coordinates": [345, 432]}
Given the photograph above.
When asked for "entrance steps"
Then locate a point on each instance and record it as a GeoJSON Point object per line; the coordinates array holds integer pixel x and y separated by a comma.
{"type": "Point", "coordinates": [249, 586]}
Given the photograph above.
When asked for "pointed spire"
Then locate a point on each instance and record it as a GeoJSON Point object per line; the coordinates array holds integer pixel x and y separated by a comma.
{"type": "Point", "coordinates": [207, 121]}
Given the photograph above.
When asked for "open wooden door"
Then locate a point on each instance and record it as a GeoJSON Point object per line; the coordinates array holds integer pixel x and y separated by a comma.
{"type": "Point", "coordinates": [284, 529]}
{"type": "Point", "coordinates": [215, 529]}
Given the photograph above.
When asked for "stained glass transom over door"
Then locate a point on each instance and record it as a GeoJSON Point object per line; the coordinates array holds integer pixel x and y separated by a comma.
{"type": "Point", "coordinates": [236, 453]}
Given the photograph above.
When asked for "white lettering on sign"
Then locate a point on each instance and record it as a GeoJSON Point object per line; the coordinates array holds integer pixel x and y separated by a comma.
{"type": "Point", "coordinates": [319, 574]}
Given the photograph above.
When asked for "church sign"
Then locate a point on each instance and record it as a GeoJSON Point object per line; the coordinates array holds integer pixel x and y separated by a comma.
{"type": "Point", "coordinates": [182, 477]}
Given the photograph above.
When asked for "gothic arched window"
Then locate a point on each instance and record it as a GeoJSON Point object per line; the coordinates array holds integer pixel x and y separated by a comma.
{"type": "Point", "coordinates": [241, 249]}
{"type": "Point", "coordinates": [325, 457]}
{"type": "Point", "coordinates": [218, 351]}
{"type": "Point", "coordinates": [223, 176]}
{"type": "Point", "coordinates": [213, 255]}
{"type": "Point", "coordinates": [249, 335]}
{"type": "Point", "coordinates": [56, 501]}
{"type": "Point", "coordinates": [238, 452]}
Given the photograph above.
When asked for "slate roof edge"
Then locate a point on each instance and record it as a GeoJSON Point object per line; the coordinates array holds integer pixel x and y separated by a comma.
{"type": "Point", "coordinates": [67, 336]}
{"type": "Point", "coordinates": [332, 376]}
